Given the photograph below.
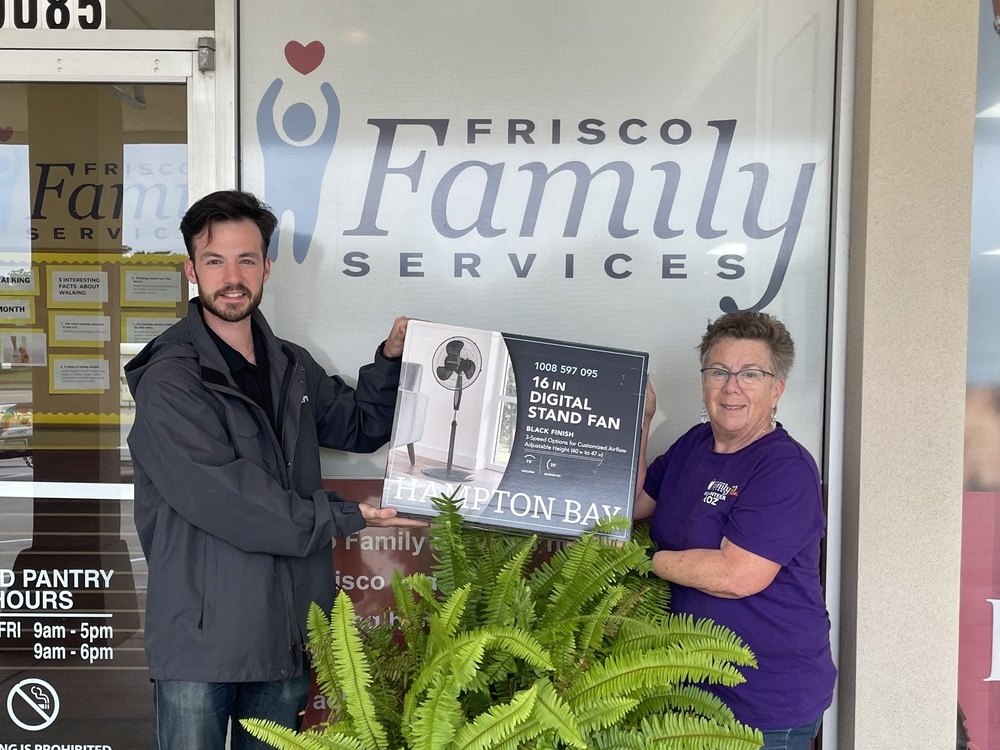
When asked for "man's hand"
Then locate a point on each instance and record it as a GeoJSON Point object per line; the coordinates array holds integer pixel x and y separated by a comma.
{"type": "Point", "coordinates": [383, 517]}
{"type": "Point", "coordinates": [393, 347]}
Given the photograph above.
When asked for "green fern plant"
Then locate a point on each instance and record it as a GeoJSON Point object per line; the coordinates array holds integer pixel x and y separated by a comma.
{"type": "Point", "coordinates": [500, 651]}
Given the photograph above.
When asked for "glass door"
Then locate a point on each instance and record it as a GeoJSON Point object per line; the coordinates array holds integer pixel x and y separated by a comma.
{"type": "Point", "coordinates": [95, 174]}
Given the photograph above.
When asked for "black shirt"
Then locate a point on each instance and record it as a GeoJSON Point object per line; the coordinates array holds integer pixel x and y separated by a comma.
{"type": "Point", "coordinates": [253, 380]}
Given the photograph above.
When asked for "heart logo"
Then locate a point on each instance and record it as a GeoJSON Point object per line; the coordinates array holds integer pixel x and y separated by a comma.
{"type": "Point", "coordinates": [6, 134]}
{"type": "Point", "coordinates": [305, 59]}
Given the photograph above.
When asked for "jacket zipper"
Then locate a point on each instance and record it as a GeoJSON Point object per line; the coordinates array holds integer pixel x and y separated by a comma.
{"type": "Point", "coordinates": [293, 627]}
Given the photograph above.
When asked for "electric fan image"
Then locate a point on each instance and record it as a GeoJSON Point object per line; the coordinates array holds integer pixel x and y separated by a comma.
{"type": "Point", "coordinates": [456, 366]}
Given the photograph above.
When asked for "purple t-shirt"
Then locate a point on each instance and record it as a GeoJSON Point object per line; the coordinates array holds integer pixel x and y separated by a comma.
{"type": "Point", "coordinates": [765, 498]}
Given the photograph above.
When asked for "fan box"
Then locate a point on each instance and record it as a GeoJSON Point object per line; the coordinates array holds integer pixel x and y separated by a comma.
{"type": "Point", "coordinates": [532, 435]}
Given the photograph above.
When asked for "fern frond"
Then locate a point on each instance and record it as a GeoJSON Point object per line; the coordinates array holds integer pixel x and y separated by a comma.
{"type": "Point", "coordinates": [437, 717]}
{"type": "Point", "coordinates": [491, 678]}
{"type": "Point", "coordinates": [478, 699]}
{"type": "Point", "coordinates": [607, 526]}
{"type": "Point", "coordinates": [523, 606]}
{"type": "Point", "coordinates": [393, 673]}
{"type": "Point", "coordinates": [353, 675]}
{"type": "Point", "coordinates": [467, 646]}
{"type": "Point", "coordinates": [320, 648]}
{"type": "Point", "coordinates": [544, 576]}
{"type": "Point", "coordinates": [722, 650]}
{"type": "Point", "coordinates": [503, 601]}
{"type": "Point", "coordinates": [640, 535]}
{"type": "Point", "coordinates": [682, 630]}
{"type": "Point", "coordinates": [445, 623]}
{"type": "Point", "coordinates": [465, 653]}
{"type": "Point", "coordinates": [685, 698]}
{"type": "Point", "coordinates": [554, 713]}
{"type": "Point", "coordinates": [497, 724]}
{"type": "Point", "coordinates": [588, 573]}
{"type": "Point", "coordinates": [574, 565]}
{"type": "Point", "coordinates": [649, 594]}
{"type": "Point", "coordinates": [629, 674]}
{"type": "Point", "coordinates": [522, 645]}
{"type": "Point", "coordinates": [621, 738]}
{"type": "Point", "coordinates": [683, 732]}
{"type": "Point", "coordinates": [407, 609]}
{"type": "Point", "coordinates": [423, 585]}
{"type": "Point", "coordinates": [283, 738]}
{"type": "Point", "coordinates": [686, 625]}
{"type": "Point", "coordinates": [331, 728]}
{"type": "Point", "coordinates": [393, 666]}
{"type": "Point", "coordinates": [595, 624]}
{"type": "Point", "coordinates": [489, 551]}
{"type": "Point", "coordinates": [550, 725]}
{"type": "Point", "coordinates": [524, 734]}
{"type": "Point", "coordinates": [551, 717]}
{"type": "Point", "coordinates": [648, 597]}
{"type": "Point", "coordinates": [560, 640]}
{"type": "Point", "coordinates": [606, 713]}
{"type": "Point", "coordinates": [451, 564]}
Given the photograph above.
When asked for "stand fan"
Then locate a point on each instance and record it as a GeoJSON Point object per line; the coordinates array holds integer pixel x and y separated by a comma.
{"type": "Point", "coordinates": [456, 365]}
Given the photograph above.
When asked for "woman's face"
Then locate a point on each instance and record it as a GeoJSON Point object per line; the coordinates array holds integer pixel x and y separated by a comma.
{"type": "Point", "coordinates": [740, 412]}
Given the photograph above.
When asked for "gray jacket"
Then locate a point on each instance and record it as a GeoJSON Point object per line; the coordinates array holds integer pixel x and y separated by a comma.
{"type": "Point", "coordinates": [237, 529]}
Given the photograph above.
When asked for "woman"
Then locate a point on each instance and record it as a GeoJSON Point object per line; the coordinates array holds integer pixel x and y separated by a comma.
{"type": "Point", "coordinates": [736, 514]}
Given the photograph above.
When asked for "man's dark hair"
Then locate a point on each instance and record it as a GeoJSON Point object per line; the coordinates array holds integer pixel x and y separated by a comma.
{"type": "Point", "coordinates": [222, 206]}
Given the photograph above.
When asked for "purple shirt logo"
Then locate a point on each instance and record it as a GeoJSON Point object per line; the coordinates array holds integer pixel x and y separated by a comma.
{"type": "Point", "coordinates": [718, 492]}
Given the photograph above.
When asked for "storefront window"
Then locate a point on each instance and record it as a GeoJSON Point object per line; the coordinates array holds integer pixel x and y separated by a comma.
{"type": "Point", "coordinates": [153, 14]}
{"type": "Point", "coordinates": [979, 617]}
{"type": "Point", "coordinates": [93, 181]}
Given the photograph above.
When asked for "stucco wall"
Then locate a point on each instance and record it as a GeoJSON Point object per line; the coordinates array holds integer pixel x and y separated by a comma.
{"type": "Point", "coordinates": [906, 354]}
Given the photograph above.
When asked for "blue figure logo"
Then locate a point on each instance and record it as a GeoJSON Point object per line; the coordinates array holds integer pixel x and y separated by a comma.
{"type": "Point", "coordinates": [293, 171]}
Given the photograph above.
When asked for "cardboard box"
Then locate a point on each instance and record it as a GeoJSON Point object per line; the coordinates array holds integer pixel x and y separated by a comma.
{"type": "Point", "coordinates": [534, 435]}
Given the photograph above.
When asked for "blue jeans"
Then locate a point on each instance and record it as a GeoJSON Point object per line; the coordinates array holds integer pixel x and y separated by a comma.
{"type": "Point", "coordinates": [796, 738]}
{"type": "Point", "coordinates": [196, 715]}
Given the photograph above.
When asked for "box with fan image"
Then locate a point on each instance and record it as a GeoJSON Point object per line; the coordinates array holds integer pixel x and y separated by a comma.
{"type": "Point", "coordinates": [533, 435]}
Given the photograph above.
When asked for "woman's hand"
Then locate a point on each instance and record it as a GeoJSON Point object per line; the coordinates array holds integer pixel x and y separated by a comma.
{"type": "Point", "coordinates": [644, 504]}
{"type": "Point", "coordinates": [650, 406]}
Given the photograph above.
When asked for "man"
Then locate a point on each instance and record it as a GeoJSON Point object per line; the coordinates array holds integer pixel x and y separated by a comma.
{"type": "Point", "coordinates": [229, 503]}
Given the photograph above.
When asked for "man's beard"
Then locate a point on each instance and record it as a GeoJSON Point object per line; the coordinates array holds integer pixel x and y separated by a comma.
{"type": "Point", "coordinates": [230, 313]}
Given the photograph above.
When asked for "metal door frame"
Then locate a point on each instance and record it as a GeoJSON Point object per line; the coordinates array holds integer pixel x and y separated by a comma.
{"type": "Point", "coordinates": [126, 56]}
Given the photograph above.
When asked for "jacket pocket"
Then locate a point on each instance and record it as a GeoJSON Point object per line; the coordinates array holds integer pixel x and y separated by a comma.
{"type": "Point", "coordinates": [249, 441]}
{"type": "Point", "coordinates": [241, 422]}
{"type": "Point", "coordinates": [209, 591]}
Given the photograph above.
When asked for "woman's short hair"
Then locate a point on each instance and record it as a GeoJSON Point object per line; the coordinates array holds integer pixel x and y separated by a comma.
{"type": "Point", "coordinates": [756, 326]}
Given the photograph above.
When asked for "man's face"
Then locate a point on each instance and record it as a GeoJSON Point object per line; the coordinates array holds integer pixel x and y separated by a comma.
{"type": "Point", "coordinates": [230, 269]}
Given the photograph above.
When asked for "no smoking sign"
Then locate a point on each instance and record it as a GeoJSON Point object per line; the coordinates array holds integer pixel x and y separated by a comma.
{"type": "Point", "coordinates": [33, 704]}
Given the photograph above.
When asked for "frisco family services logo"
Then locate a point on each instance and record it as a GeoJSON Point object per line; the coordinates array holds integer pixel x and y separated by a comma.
{"type": "Point", "coordinates": [296, 157]}
{"type": "Point", "coordinates": [691, 185]}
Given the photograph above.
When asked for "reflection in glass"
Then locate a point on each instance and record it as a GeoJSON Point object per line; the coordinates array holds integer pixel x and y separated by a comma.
{"type": "Point", "coordinates": [93, 182]}
{"type": "Point", "coordinates": [158, 15]}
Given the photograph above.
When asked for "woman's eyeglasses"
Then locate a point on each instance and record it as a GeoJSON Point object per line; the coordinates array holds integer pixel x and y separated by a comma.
{"type": "Point", "coordinates": [717, 377]}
